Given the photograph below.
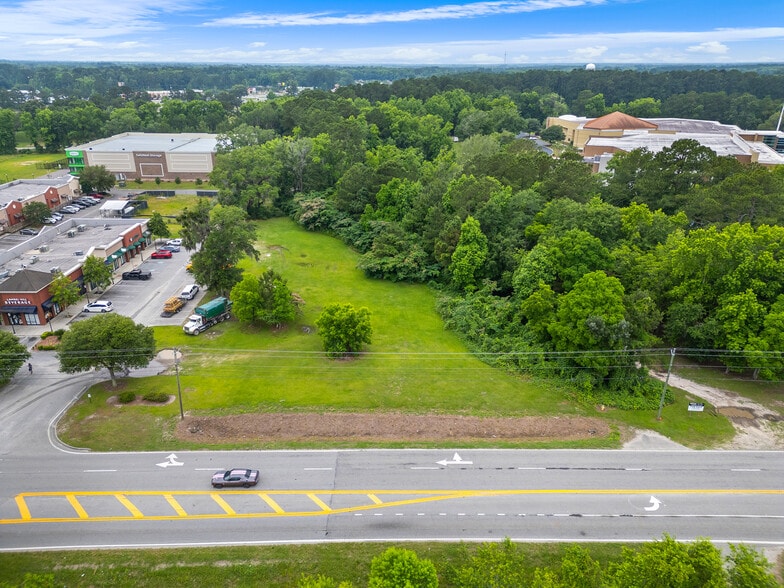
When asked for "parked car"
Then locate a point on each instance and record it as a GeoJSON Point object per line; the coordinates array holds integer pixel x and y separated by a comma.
{"type": "Point", "coordinates": [189, 292]}
{"type": "Point", "coordinates": [172, 248]}
{"type": "Point", "coordinates": [137, 274]}
{"type": "Point", "coordinates": [177, 242]}
{"type": "Point", "coordinates": [69, 209]}
{"type": "Point", "coordinates": [32, 232]}
{"type": "Point", "coordinates": [50, 220]}
{"type": "Point", "coordinates": [99, 306]}
{"type": "Point", "coordinates": [235, 477]}
{"type": "Point", "coordinates": [161, 254]}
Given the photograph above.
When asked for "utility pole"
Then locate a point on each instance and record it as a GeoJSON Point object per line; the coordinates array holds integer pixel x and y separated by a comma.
{"type": "Point", "coordinates": [664, 386]}
{"type": "Point", "coordinates": [179, 390]}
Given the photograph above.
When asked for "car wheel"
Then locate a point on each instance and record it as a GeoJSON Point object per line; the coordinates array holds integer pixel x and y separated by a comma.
{"type": "Point", "coordinates": [246, 485]}
{"type": "Point", "coordinates": [218, 485]}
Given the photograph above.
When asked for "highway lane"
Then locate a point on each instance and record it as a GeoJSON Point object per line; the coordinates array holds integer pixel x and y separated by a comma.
{"type": "Point", "coordinates": [150, 499]}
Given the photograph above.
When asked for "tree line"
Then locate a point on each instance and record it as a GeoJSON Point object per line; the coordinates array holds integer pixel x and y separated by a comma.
{"type": "Point", "coordinates": [58, 106]}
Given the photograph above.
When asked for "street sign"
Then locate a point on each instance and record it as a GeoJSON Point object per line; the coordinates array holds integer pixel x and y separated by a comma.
{"type": "Point", "coordinates": [696, 406]}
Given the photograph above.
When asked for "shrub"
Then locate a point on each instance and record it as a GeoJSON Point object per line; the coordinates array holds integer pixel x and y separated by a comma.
{"type": "Point", "coordinates": [401, 567]}
{"type": "Point", "coordinates": [177, 180]}
{"type": "Point", "coordinates": [158, 181]}
{"type": "Point", "coordinates": [198, 182]}
{"type": "Point", "coordinates": [156, 397]}
{"type": "Point", "coordinates": [138, 181]}
{"type": "Point", "coordinates": [126, 397]}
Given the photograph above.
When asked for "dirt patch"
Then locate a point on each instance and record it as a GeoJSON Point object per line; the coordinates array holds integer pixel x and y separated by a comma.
{"type": "Point", "coordinates": [140, 401]}
{"type": "Point", "coordinates": [385, 427]}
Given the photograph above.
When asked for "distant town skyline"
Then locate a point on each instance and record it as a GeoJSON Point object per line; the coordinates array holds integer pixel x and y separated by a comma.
{"type": "Point", "coordinates": [310, 32]}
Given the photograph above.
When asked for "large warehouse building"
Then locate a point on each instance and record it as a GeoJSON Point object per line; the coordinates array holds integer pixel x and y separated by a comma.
{"type": "Point", "coordinates": [168, 156]}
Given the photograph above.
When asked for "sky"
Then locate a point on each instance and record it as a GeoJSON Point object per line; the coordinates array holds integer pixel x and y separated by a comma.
{"type": "Point", "coordinates": [327, 32]}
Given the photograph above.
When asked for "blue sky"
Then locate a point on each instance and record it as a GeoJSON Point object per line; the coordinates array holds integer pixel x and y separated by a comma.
{"type": "Point", "coordinates": [400, 32]}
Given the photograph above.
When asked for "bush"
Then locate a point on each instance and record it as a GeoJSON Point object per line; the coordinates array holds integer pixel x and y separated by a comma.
{"type": "Point", "coordinates": [158, 181]}
{"type": "Point", "coordinates": [138, 181]}
{"type": "Point", "coordinates": [401, 567]}
{"type": "Point", "coordinates": [177, 180]}
{"type": "Point", "coordinates": [198, 182]}
{"type": "Point", "coordinates": [58, 333]}
{"type": "Point", "coordinates": [156, 397]}
{"type": "Point", "coordinates": [126, 397]}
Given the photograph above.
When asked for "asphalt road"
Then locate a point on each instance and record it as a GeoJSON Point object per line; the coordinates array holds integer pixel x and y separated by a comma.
{"type": "Point", "coordinates": [52, 497]}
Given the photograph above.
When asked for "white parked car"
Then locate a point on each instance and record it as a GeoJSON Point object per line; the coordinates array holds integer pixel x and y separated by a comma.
{"type": "Point", "coordinates": [189, 292]}
{"type": "Point", "coordinates": [99, 306]}
{"type": "Point", "coordinates": [177, 242]}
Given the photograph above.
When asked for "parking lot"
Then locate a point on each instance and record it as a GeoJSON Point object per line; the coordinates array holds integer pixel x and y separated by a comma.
{"type": "Point", "coordinates": [142, 300]}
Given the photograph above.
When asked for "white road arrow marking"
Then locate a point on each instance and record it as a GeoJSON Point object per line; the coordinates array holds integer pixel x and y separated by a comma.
{"type": "Point", "coordinates": [171, 462]}
{"type": "Point", "coordinates": [655, 504]}
{"type": "Point", "coordinates": [456, 460]}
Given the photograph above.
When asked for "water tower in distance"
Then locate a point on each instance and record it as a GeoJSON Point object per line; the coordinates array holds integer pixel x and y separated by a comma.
{"type": "Point", "coordinates": [590, 67]}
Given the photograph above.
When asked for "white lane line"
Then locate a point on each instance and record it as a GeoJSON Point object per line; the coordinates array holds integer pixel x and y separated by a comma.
{"type": "Point", "coordinates": [745, 470]}
{"type": "Point", "coordinates": [425, 468]}
{"type": "Point", "coordinates": [97, 471]}
{"type": "Point", "coordinates": [317, 469]}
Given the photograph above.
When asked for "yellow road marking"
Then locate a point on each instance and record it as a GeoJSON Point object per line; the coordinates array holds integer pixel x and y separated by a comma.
{"type": "Point", "coordinates": [76, 506]}
{"type": "Point", "coordinates": [416, 497]}
{"type": "Point", "coordinates": [135, 512]}
{"type": "Point", "coordinates": [175, 505]}
{"type": "Point", "coordinates": [320, 503]}
{"type": "Point", "coordinates": [24, 512]}
{"type": "Point", "coordinates": [223, 504]}
{"type": "Point", "coordinates": [271, 503]}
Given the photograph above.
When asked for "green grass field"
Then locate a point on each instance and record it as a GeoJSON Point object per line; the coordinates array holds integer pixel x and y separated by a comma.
{"type": "Point", "coordinates": [26, 166]}
{"type": "Point", "coordinates": [413, 364]}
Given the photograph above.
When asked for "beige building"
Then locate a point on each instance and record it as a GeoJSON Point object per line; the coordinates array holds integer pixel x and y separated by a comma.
{"type": "Point", "coordinates": [168, 156]}
{"type": "Point", "coordinates": [598, 138]}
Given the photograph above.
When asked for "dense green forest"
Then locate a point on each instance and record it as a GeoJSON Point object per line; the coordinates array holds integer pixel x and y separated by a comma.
{"type": "Point", "coordinates": [543, 266]}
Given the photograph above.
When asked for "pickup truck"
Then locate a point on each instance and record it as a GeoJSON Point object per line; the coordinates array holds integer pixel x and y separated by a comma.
{"type": "Point", "coordinates": [137, 274]}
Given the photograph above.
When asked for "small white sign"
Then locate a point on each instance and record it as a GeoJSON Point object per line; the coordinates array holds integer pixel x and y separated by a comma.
{"type": "Point", "coordinates": [696, 406]}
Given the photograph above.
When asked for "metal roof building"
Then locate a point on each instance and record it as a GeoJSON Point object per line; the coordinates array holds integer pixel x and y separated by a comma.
{"type": "Point", "coordinates": [147, 156]}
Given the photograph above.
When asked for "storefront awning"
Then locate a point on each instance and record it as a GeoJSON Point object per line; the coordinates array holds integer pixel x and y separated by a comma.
{"type": "Point", "coordinates": [18, 309]}
{"type": "Point", "coordinates": [47, 304]}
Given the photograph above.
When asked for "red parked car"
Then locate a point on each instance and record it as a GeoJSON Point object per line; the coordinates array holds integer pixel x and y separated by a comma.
{"type": "Point", "coordinates": [161, 254]}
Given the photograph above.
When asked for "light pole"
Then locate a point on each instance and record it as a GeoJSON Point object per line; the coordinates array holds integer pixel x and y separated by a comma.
{"type": "Point", "coordinates": [179, 390]}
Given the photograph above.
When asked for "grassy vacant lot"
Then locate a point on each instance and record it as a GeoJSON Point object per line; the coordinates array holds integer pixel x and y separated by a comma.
{"type": "Point", "coordinates": [24, 167]}
{"type": "Point", "coordinates": [413, 364]}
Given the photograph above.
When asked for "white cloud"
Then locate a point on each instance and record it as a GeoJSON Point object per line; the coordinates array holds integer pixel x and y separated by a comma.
{"type": "Point", "coordinates": [101, 18]}
{"type": "Point", "coordinates": [709, 47]}
{"type": "Point", "coordinates": [258, 44]}
{"type": "Point", "coordinates": [583, 53]}
{"type": "Point", "coordinates": [65, 42]}
{"type": "Point", "coordinates": [445, 12]}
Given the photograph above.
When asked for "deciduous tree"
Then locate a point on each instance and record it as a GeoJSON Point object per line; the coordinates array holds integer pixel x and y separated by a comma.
{"type": "Point", "coordinates": [96, 178]}
{"type": "Point", "coordinates": [95, 271]}
{"type": "Point", "coordinates": [12, 356]}
{"type": "Point", "coordinates": [64, 292]}
{"type": "Point", "coordinates": [110, 341]}
{"type": "Point", "coordinates": [36, 212]}
{"type": "Point", "coordinates": [344, 329]}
